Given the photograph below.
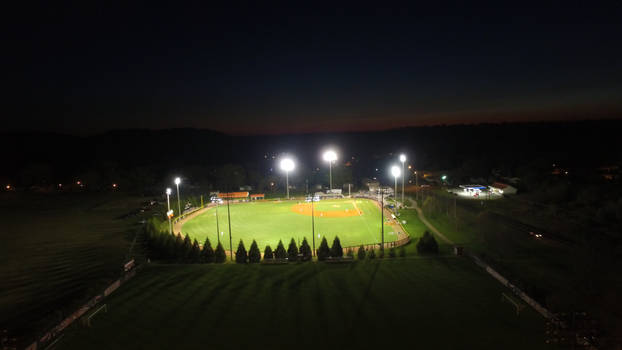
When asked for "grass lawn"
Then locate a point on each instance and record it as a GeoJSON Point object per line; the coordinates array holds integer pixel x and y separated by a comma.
{"type": "Point", "coordinates": [561, 277]}
{"type": "Point", "coordinates": [55, 250]}
{"type": "Point", "coordinates": [407, 302]}
{"type": "Point", "coordinates": [271, 221]}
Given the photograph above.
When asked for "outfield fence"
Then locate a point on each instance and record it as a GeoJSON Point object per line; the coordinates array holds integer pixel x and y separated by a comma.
{"type": "Point", "coordinates": [387, 245]}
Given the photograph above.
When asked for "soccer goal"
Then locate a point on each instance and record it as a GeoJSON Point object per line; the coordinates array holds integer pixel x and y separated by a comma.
{"type": "Point", "coordinates": [87, 320]}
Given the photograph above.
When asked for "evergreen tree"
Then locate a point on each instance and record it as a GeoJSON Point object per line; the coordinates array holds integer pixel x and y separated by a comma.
{"type": "Point", "coordinates": [195, 252]}
{"type": "Point", "coordinates": [179, 248]}
{"type": "Point", "coordinates": [336, 251]}
{"type": "Point", "coordinates": [186, 249]}
{"type": "Point", "coordinates": [350, 253]}
{"type": "Point", "coordinates": [240, 255]}
{"type": "Point", "coordinates": [361, 253]}
{"type": "Point", "coordinates": [170, 247]}
{"type": "Point", "coordinates": [254, 255]}
{"type": "Point", "coordinates": [305, 250]}
{"type": "Point", "coordinates": [268, 254]}
{"type": "Point", "coordinates": [280, 252]}
{"type": "Point", "coordinates": [219, 254]}
{"type": "Point", "coordinates": [207, 254]}
{"type": "Point", "coordinates": [292, 251]}
{"type": "Point", "coordinates": [323, 251]}
{"type": "Point", "coordinates": [392, 252]}
{"type": "Point", "coordinates": [427, 244]}
{"type": "Point", "coordinates": [372, 253]}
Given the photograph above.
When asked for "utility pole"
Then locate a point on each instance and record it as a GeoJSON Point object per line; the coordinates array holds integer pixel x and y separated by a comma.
{"type": "Point", "coordinates": [382, 217]}
{"type": "Point", "coordinates": [417, 185]}
{"type": "Point", "coordinates": [229, 217]}
{"type": "Point", "coordinates": [217, 225]}
{"type": "Point", "coordinates": [313, 225]}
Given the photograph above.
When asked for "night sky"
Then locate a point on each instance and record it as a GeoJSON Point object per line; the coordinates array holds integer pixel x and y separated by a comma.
{"type": "Point", "coordinates": [256, 69]}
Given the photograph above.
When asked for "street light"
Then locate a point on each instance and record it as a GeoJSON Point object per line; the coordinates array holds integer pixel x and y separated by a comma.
{"type": "Point", "coordinates": [287, 165]}
{"type": "Point", "coordinates": [403, 159]}
{"type": "Point", "coordinates": [177, 182]}
{"type": "Point", "coordinates": [168, 213]}
{"type": "Point", "coordinates": [395, 171]}
{"type": "Point", "coordinates": [330, 156]}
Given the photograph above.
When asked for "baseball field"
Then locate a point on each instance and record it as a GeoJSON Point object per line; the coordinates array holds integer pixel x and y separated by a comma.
{"type": "Point", "coordinates": [355, 221]}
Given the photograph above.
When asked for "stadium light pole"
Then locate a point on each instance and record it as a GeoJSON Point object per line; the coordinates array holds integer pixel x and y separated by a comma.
{"type": "Point", "coordinates": [403, 160]}
{"type": "Point", "coordinates": [177, 182]}
{"type": "Point", "coordinates": [395, 171]}
{"type": "Point", "coordinates": [313, 226]}
{"type": "Point", "coordinates": [217, 224]}
{"type": "Point", "coordinates": [168, 206]}
{"type": "Point", "coordinates": [287, 165]}
{"type": "Point", "coordinates": [330, 156]}
{"type": "Point", "coordinates": [382, 217]}
{"type": "Point", "coordinates": [229, 217]}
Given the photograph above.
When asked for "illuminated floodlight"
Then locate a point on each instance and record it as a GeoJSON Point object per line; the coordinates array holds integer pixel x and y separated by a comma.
{"type": "Point", "coordinates": [444, 177]}
{"type": "Point", "coordinates": [177, 182]}
{"type": "Point", "coordinates": [402, 158]}
{"type": "Point", "coordinates": [330, 156]}
{"type": "Point", "coordinates": [287, 164]}
{"type": "Point", "coordinates": [395, 171]}
{"type": "Point", "coordinates": [169, 213]}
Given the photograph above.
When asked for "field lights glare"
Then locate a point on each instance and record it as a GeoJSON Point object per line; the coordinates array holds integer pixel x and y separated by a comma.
{"type": "Point", "coordinates": [330, 156]}
{"type": "Point", "coordinates": [177, 181]}
{"type": "Point", "coordinates": [395, 171]}
{"type": "Point", "coordinates": [168, 191]}
{"type": "Point", "coordinates": [287, 164]}
{"type": "Point", "coordinates": [402, 158]}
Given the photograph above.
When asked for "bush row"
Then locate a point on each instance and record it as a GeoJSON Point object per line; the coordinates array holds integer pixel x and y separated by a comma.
{"type": "Point", "coordinates": [169, 247]}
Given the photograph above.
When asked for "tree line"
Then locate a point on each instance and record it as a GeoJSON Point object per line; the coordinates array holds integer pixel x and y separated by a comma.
{"type": "Point", "coordinates": [164, 246]}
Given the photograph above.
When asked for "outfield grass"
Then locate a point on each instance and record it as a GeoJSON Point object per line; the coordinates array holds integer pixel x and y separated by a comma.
{"type": "Point", "coordinates": [270, 221]}
{"type": "Point", "coordinates": [412, 302]}
{"type": "Point", "coordinates": [56, 250]}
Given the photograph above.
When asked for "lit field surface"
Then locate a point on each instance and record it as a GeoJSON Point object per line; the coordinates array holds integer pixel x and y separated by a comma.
{"type": "Point", "coordinates": [355, 221]}
{"type": "Point", "coordinates": [403, 303]}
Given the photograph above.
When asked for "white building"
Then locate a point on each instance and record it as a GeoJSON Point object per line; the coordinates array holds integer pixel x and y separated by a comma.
{"type": "Point", "coordinates": [501, 188]}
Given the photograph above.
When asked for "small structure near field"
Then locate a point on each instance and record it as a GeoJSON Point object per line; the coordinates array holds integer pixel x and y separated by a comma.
{"type": "Point", "coordinates": [257, 196]}
{"type": "Point", "coordinates": [501, 188]}
{"type": "Point", "coordinates": [473, 191]}
{"type": "Point", "coordinates": [234, 195]}
{"type": "Point", "coordinates": [330, 194]}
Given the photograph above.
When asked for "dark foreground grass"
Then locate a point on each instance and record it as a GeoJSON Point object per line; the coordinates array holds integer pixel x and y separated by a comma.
{"type": "Point", "coordinates": [407, 302]}
{"type": "Point", "coordinates": [55, 252]}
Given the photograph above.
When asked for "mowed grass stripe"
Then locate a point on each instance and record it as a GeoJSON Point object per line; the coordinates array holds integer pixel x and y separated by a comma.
{"type": "Point", "coordinates": [444, 303]}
